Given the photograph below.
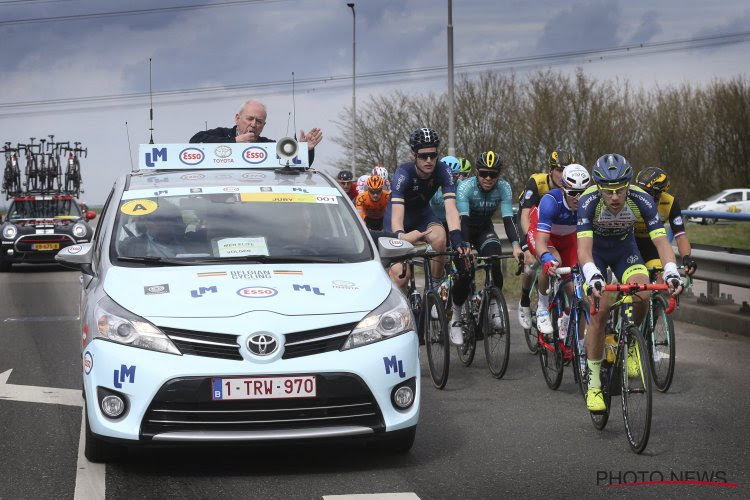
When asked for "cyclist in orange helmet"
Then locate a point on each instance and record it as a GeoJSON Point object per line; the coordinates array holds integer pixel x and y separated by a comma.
{"type": "Point", "coordinates": [372, 203]}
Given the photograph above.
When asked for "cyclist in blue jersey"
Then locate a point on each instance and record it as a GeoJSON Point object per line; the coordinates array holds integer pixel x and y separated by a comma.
{"type": "Point", "coordinates": [478, 199]}
{"type": "Point", "coordinates": [607, 213]}
{"type": "Point", "coordinates": [461, 170]}
{"type": "Point", "coordinates": [414, 184]}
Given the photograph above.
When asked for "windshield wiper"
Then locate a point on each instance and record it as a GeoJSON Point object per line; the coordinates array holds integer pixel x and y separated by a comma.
{"type": "Point", "coordinates": [264, 259]}
{"type": "Point", "coordinates": [157, 261]}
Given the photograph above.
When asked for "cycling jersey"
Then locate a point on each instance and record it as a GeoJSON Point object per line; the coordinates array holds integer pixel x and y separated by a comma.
{"type": "Point", "coordinates": [414, 193]}
{"type": "Point", "coordinates": [554, 217]}
{"type": "Point", "coordinates": [372, 212]}
{"type": "Point", "coordinates": [479, 206]}
{"type": "Point", "coordinates": [437, 203]}
{"type": "Point", "coordinates": [537, 186]}
{"type": "Point", "coordinates": [669, 210]}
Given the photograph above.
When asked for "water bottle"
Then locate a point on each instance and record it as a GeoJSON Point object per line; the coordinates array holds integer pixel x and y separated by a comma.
{"type": "Point", "coordinates": [444, 289]}
{"type": "Point", "coordinates": [562, 324]}
{"type": "Point", "coordinates": [610, 347]}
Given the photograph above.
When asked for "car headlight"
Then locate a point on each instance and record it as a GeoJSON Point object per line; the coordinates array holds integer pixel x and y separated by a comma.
{"type": "Point", "coordinates": [697, 207]}
{"type": "Point", "coordinates": [79, 230]}
{"type": "Point", "coordinates": [392, 317]}
{"type": "Point", "coordinates": [117, 324]}
{"type": "Point", "coordinates": [10, 232]}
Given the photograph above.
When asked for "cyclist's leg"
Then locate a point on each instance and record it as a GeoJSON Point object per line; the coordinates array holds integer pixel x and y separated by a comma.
{"type": "Point", "coordinates": [487, 243]}
{"type": "Point", "coordinates": [436, 237]}
{"type": "Point", "coordinates": [630, 268]}
{"type": "Point", "coordinates": [459, 292]}
{"type": "Point", "coordinates": [594, 341]}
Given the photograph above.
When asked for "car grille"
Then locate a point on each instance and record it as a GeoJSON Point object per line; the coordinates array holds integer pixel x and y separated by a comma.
{"type": "Point", "coordinates": [316, 341]}
{"type": "Point", "coordinates": [185, 405]}
{"type": "Point", "coordinates": [212, 345]}
{"type": "Point", "coordinates": [24, 243]}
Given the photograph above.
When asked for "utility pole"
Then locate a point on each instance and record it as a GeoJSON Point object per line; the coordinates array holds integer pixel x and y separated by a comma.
{"type": "Point", "coordinates": [354, 84]}
{"type": "Point", "coordinates": [451, 109]}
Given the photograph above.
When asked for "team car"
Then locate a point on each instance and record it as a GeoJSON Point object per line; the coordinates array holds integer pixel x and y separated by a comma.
{"type": "Point", "coordinates": [729, 200]}
{"type": "Point", "coordinates": [38, 226]}
{"type": "Point", "coordinates": [231, 294]}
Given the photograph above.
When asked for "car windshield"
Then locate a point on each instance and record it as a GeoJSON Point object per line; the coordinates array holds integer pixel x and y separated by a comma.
{"type": "Point", "coordinates": [716, 196]}
{"type": "Point", "coordinates": [33, 208]}
{"type": "Point", "coordinates": [228, 223]}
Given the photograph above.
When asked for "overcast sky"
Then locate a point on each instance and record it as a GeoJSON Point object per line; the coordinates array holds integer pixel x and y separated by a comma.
{"type": "Point", "coordinates": [97, 66]}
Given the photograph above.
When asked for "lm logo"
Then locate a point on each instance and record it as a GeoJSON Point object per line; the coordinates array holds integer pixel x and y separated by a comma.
{"type": "Point", "coordinates": [306, 288]}
{"type": "Point", "coordinates": [393, 364]}
{"type": "Point", "coordinates": [127, 372]}
{"type": "Point", "coordinates": [200, 292]}
{"type": "Point", "coordinates": [156, 155]}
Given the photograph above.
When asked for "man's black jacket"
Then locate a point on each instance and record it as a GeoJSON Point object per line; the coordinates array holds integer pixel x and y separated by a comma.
{"type": "Point", "coordinates": [223, 134]}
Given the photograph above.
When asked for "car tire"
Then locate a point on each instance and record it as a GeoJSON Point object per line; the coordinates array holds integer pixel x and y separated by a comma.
{"type": "Point", "coordinates": [396, 442]}
{"type": "Point", "coordinates": [97, 450]}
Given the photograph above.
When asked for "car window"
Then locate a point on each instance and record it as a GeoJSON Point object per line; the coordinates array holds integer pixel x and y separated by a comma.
{"type": "Point", "coordinates": [203, 225]}
{"type": "Point", "coordinates": [99, 227]}
{"type": "Point", "coordinates": [732, 197]}
{"type": "Point", "coordinates": [716, 196]}
{"type": "Point", "coordinates": [32, 208]}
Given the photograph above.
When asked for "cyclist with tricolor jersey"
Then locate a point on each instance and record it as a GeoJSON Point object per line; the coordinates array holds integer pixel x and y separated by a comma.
{"type": "Point", "coordinates": [607, 213]}
{"type": "Point", "coordinates": [552, 234]}
{"type": "Point", "coordinates": [536, 187]}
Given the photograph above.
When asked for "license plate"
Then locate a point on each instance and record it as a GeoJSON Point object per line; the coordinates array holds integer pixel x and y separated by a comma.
{"type": "Point", "coordinates": [263, 388]}
{"type": "Point", "coordinates": [45, 246]}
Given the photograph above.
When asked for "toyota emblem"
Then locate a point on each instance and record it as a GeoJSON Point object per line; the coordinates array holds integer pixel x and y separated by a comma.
{"type": "Point", "coordinates": [262, 344]}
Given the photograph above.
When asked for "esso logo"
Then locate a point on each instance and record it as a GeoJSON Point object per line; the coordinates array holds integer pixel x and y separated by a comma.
{"type": "Point", "coordinates": [231, 189]}
{"type": "Point", "coordinates": [396, 243]}
{"type": "Point", "coordinates": [254, 155]}
{"type": "Point", "coordinates": [74, 249]}
{"type": "Point", "coordinates": [192, 177]}
{"type": "Point", "coordinates": [259, 292]}
{"type": "Point", "coordinates": [191, 156]}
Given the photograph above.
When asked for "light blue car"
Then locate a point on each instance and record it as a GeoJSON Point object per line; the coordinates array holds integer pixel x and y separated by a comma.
{"type": "Point", "coordinates": [232, 294]}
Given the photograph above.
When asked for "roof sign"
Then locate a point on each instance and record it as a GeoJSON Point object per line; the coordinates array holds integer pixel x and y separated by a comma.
{"type": "Point", "coordinates": [216, 156]}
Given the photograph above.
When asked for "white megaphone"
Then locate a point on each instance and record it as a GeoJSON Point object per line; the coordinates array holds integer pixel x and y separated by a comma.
{"type": "Point", "coordinates": [286, 149]}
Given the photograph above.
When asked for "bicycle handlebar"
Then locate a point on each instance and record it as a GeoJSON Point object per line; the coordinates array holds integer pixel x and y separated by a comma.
{"type": "Point", "coordinates": [632, 289]}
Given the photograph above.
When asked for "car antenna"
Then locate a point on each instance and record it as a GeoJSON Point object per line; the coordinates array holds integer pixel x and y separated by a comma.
{"type": "Point", "coordinates": [130, 150]}
{"type": "Point", "coordinates": [294, 108]}
{"type": "Point", "coordinates": [151, 97]}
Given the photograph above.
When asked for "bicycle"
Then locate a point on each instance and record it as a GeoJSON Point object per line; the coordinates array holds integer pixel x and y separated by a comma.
{"type": "Point", "coordinates": [12, 173]}
{"type": "Point", "coordinates": [73, 169]}
{"type": "Point", "coordinates": [429, 313]}
{"type": "Point", "coordinates": [658, 330]}
{"type": "Point", "coordinates": [31, 151]}
{"type": "Point", "coordinates": [532, 334]}
{"type": "Point", "coordinates": [635, 391]}
{"type": "Point", "coordinates": [566, 347]}
{"type": "Point", "coordinates": [53, 173]}
{"type": "Point", "coordinates": [485, 315]}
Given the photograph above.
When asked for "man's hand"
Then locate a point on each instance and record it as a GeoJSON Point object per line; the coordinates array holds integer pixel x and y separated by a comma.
{"type": "Point", "coordinates": [674, 282]}
{"type": "Point", "coordinates": [247, 137]}
{"type": "Point", "coordinates": [689, 264]}
{"type": "Point", "coordinates": [550, 267]}
{"type": "Point", "coordinates": [596, 284]}
{"type": "Point", "coordinates": [413, 237]}
{"type": "Point", "coordinates": [312, 138]}
{"type": "Point", "coordinates": [518, 254]}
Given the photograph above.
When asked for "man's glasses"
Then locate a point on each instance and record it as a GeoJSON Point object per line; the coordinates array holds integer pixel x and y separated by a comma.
{"type": "Point", "coordinates": [426, 156]}
{"type": "Point", "coordinates": [574, 193]}
{"type": "Point", "coordinates": [345, 183]}
{"type": "Point", "coordinates": [375, 191]}
{"type": "Point", "coordinates": [607, 191]}
{"type": "Point", "coordinates": [488, 173]}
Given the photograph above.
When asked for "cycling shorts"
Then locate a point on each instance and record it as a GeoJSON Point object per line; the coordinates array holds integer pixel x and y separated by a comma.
{"type": "Point", "coordinates": [482, 235]}
{"type": "Point", "coordinates": [417, 218]}
{"type": "Point", "coordinates": [622, 256]}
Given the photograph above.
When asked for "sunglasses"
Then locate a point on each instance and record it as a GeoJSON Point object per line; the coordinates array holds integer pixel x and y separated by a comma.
{"type": "Point", "coordinates": [488, 173]}
{"type": "Point", "coordinates": [426, 156]}
{"type": "Point", "coordinates": [574, 193]}
{"type": "Point", "coordinates": [375, 191]}
{"type": "Point", "coordinates": [610, 191]}
{"type": "Point", "coordinates": [345, 182]}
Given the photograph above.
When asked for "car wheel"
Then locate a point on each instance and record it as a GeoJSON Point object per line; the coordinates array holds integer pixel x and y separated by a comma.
{"type": "Point", "coordinates": [97, 450]}
{"type": "Point", "coordinates": [396, 442]}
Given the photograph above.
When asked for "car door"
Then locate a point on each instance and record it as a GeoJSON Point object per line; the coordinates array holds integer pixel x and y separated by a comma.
{"type": "Point", "coordinates": [731, 202]}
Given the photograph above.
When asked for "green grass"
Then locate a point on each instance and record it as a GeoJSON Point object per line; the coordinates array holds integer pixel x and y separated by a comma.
{"type": "Point", "coordinates": [723, 234]}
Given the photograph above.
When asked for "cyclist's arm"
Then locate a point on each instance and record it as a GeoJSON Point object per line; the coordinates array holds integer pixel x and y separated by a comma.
{"type": "Point", "coordinates": [678, 228]}
{"type": "Point", "coordinates": [506, 212]}
{"type": "Point", "coordinates": [360, 205]}
{"type": "Point", "coordinates": [400, 182]}
{"type": "Point", "coordinates": [451, 214]}
{"type": "Point", "coordinates": [397, 217]}
{"type": "Point", "coordinates": [541, 244]}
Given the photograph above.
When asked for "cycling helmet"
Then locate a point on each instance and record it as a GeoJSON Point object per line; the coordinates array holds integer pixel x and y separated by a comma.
{"type": "Point", "coordinates": [558, 158]}
{"type": "Point", "coordinates": [380, 171]}
{"type": "Point", "coordinates": [452, 162]}
{"type": "Point", "coordinates": [345, 175]}
{"type": "Point", "coordinates": [575, 177]}
{"type": "Point", "coordinates": [489, 160]}
{"type": "Point", "coordinates": [465, 166]}
{"type": "Point", "coordinates": [653, 180]}
{"type": "Point", "coordinates": [375, 183]}
{"type": "Point", "coordinates": [424, 138]}
{"type": "Point", "coordinates": [612, 170]}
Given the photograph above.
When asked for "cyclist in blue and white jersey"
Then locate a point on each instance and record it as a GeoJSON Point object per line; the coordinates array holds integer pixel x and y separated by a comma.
{"type": "Point", "coordinates": [461, 170]}
{"type": "Point", "coordinates": [414, 184]}
{"type": "Point", "coordinates": [478, 199]}
{"type": "Point", "coordinates": [607, 213]}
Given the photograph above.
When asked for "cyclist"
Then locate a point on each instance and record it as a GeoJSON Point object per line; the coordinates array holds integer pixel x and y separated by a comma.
{"type": "Point", "coordinates": [536, 187]}
{"type": "Point", "coordinates": [372, 203]}
{"type": "Point", "coordinates": [344, 178]}
{"type": "Point", "coordinates": [382, 172]}
{"type": "Point", "coordinates": [478, 199]}
{"type": "Point", "coordinates": [460, 172]}
{"type": "Point", "coordinates": [655, 182]}
{"type": "Point", "coordinates": [607, 213]}
{"type": "Point", "coordinates": [414, 184]}
{"type": "Point", "coordinates": [552, 233]}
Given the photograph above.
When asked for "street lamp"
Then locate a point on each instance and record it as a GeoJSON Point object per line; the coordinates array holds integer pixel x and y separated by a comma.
{"type": "Point", "coordinates": [354, 81]}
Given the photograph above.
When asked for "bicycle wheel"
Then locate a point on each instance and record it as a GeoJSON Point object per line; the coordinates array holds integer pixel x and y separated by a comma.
{"type": "Point", "coordinates": [468, 349]}
{"type": "Point", "coordinates": [577, 332]}
{"type": "Point", "coordinates": [636, 390]}
{"type": "Point", "coordinates": [436, 339]}
{"type": "Point", "coordinates": [531, 334]}
{"type": "Point", "coordinates": [496, 329]}
{"type": "Point", "coordinates": [660, 341]}
{"type": "Point", "coordinates": [551, 357]}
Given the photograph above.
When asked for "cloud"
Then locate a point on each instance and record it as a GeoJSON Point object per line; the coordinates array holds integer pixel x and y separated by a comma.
{"type": "Point", "coordinates": [582, 26]}
{"type": "Point", "coordinates": [648, 28]}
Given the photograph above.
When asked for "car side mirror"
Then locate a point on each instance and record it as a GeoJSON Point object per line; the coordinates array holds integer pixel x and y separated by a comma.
{"type": "Point", "coordinates": [393, 249]}
{"type": "Point", "coordinates": [90, 214]}
{"type": "Point", "coordinates": [77, 256]}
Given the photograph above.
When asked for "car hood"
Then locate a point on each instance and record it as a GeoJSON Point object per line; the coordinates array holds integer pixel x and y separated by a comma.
{"type": "Point", "coordinates": [225, 291]}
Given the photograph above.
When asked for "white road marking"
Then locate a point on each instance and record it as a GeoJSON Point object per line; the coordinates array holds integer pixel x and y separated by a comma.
{"type": "Point", "coordinates": [374, 496]}
{"type": "Point", "coordinates": [90, 477]}
{"type": "Point", "coordinates": [40, 318]}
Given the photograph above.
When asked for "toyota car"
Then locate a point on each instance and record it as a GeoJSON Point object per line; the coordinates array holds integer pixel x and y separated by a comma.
{"type": "Point", "coordinates": [231, 294]}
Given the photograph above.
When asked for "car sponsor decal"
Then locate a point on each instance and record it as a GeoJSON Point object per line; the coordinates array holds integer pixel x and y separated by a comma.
{"type": "Point", "coordinates": [254, 155]}
{"type": "Point", "coordinates": [156, 289]}
{"type": "Point", "coordinates": [396, 242]}
{"type": "Point", "coordinates": [203, 290]}
{"type": "Point", "coordinates": [266, 189]}
{"type": "Point", "coordinates": [191, 156]}
{"type": "Point", "coordinates": [74, 249]}
{"type": "Point", "coordinates": [250, 275]}
{"type": "Point", "coordinates": [240, 247]}
{"type": "Point", "coordinates": [196, 190]}
{"type": "Point", "coordinates": [394, 365]}
{"type": "Point", "coordinates": [223, 151]}
{"type": "Point", "coordinates": [288, 198]}
{"type": "Point", "coordinates": [192, 177]}
{"type": "Point", "coordinates": [231, 189]}
{"type": "Point", "coordinates": [307, 288]}
{"type": "Point", "coordinates": [88, 362]}
{"type": "Point", "coordinates": [138, 207]}
{"type": "Point", "coordinates": [345, 285]}
{"type": "Point", "coordinates": [125, 375]}
{"type": "Point", "coordinates": [259, 292]}
{"type": "Point", "coordinates": [253, 176]}
{"type": "Point", "coordinates": [286, 271]}
{"type": "Point", "coordinates": [211, 274]}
